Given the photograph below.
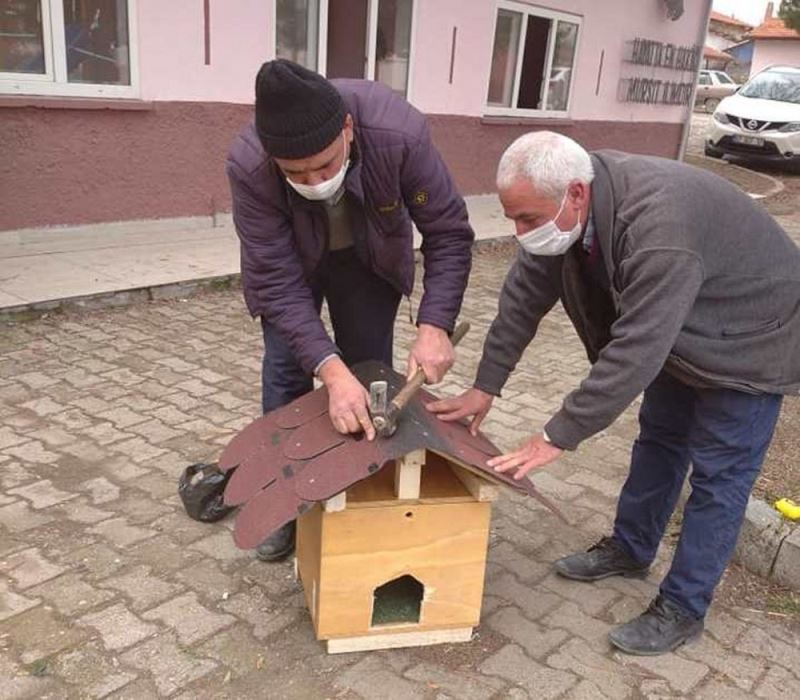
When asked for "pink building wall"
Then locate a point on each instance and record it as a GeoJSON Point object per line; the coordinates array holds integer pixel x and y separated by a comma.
{"type": "Point", "coordinates": [605, 27]}
{"type": "Point", "coordinates": [172, 49]}
{"type": "Point", "coordinates": [767, 52]}
{"type": "Point", "coordinates": [80, 161]}
{"type": "Point", "coordinates": [242, 37]}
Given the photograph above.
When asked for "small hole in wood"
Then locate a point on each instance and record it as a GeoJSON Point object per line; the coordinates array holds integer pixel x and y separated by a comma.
{"type": "Point", "coordinates": [409, 514]}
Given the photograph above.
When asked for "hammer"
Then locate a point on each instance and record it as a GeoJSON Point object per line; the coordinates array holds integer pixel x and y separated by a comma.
{"type": "Point", "coordinates": [384, 417]}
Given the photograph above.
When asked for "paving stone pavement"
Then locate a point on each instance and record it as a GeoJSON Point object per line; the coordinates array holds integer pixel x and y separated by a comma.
{"type": "Point", "coordinates": [107, 589]}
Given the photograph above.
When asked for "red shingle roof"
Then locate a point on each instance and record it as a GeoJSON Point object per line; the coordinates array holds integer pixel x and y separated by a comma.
{"type": "Point", "coordinates": [726, 19]}
{"type": "Point", "coordinates": [292, 457]}
{"type": "Point", "coordinates": [774, 28]}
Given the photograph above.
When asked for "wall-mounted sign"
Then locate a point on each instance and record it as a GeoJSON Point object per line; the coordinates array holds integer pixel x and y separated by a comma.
{"type": "Point", "coordinates": [658, 56]}
{"type": "Point", "coordinates": [646, 52]}
{"type": "Point", "coordinates": [649, 91]}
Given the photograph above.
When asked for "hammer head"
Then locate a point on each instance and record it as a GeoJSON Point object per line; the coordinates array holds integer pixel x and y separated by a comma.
{"type": "Point", "coordinates": [379, 409]}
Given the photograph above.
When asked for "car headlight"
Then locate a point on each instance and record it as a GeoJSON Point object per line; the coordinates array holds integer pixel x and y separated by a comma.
{"type": "Point", "coordinates": [791, 126]}
{"type": "Point", "coordinates": [721, 117]}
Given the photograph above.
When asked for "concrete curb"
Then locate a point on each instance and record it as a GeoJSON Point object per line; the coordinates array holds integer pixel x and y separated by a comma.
{"type": "Point", "coordinates": [173, 290]}
{"type": "Point", "coordinates": [118, 298]}
{"type": "Point", "coordinates": [769, 545]}
{"type": "Point", "coordinates": [787, 565]}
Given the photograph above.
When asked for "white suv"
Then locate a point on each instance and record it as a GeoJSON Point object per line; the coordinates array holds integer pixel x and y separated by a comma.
{"type": "Point", "coordinates": [762, 120]}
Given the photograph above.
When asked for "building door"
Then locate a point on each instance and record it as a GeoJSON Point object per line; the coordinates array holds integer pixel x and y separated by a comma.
{"type": "Point", "coordinates": [348, 51]}
{"type": "Point", "coordinates": [348, 38]}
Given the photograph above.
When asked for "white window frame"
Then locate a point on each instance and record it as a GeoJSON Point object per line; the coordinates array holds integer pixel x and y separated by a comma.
{"type": "Point", "coordinates": [372, 32]}
{"type": "Point", "coordinates": [526, 10]}
{"type": "Point", "coordinates": [54, 81]}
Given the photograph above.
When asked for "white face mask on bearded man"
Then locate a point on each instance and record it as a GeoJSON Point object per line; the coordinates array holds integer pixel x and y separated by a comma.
{"type": "Point", "coordinates": [323, 191]}
{"type": "Point", "coordinates": [549, 239]}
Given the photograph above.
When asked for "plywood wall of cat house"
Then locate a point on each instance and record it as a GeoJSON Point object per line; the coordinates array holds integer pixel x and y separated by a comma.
{"type": "Point", "coordinates": [399, 559]}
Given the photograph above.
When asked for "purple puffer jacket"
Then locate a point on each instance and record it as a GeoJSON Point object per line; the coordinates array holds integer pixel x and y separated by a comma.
{"type": "Point", "coordinates": [398, 176]}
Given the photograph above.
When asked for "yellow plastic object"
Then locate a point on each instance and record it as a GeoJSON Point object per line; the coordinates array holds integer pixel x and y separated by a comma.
{"type": "Point", "coordinates": [788, 508]}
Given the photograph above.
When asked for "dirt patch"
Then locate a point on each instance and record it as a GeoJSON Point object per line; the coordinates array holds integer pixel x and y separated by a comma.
{"type": "Point", "coordinates": [747, 180]}
{"type": "Point", "coordinates": [458, 657]}
{"type": "Point", "coordinates": [780, 477]}
{"type": "Point", "coordinates": [784, 203]}
{"type": "Point", "coordinates": [750, 593]}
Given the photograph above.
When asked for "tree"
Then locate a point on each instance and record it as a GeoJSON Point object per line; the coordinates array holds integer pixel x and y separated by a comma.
{"type": "Point", "coordinates": [789, 12]}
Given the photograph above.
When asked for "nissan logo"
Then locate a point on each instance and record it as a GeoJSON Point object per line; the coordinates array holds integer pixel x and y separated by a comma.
{"type": "Point", "coordinates": [752, 125]}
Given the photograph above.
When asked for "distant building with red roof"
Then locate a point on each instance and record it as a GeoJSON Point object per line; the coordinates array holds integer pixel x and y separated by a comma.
{"type": "Point", "coordinates": [774, 43]}
{"type": "Point", "coordinates": [723, 33]}
{"type": "Point", "coordinates": [714, 59]}
{"type": "Point", "coordinates": [720, 18]}
{"type": "Point", "coordinates": [774, 28]}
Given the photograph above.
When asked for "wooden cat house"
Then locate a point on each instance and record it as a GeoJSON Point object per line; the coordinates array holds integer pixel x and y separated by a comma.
{"type": "Point", "coordinates": [392, 533]}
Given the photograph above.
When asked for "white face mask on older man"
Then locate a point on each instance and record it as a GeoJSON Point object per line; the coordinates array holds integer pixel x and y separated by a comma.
{"type": "Point", "coordinates": [548, 239]}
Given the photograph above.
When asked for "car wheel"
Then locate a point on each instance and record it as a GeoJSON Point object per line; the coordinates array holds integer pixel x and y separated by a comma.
{"type": "Point", "coordinates": [712, 152]}
{"type": "Point", "coordinates": [711, 104]}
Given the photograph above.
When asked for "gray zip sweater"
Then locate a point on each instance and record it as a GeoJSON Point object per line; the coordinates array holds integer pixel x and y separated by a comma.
{"type": "Point", "coordinates": [705, 284]}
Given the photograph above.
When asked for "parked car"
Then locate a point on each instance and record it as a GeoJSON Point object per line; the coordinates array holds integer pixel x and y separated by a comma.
{"type": "Point", "coordinates": [762, 120]}
{"type": "Point", "coordinates": [712, 87]}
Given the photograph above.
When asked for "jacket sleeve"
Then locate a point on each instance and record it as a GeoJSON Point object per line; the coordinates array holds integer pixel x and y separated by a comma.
{"type": "Point", "coordinates": [440, 215]}
{"type": "Point", "coordinates": [659, 286]}
{"type": "Point", "coordinates": [272, 267]}
{"type": "Point", "coordinates": [528, 294]}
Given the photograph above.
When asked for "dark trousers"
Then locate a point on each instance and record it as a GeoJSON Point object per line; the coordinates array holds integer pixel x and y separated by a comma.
{"type": "Point", "coordinates": [724, 434]}
{"type": "Point", "coordinates": [362, 308]}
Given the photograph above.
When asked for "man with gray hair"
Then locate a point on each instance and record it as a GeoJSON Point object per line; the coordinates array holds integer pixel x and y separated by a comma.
{"type": "Point", "coordinates": [681, 287]}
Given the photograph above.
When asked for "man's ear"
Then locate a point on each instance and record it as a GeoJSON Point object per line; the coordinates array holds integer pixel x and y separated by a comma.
{"type": "Point", "coordinates": [578, 192]}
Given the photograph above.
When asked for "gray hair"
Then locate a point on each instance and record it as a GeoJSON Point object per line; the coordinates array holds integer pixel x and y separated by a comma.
{"type": "Point", "coordinates": [548, 160]}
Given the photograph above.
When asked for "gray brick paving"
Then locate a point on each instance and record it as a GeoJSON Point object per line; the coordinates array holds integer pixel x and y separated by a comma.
{"type": "Point", "coordinates": [118, 627]}
{"type": "Point", "coordinates": [107, 589]}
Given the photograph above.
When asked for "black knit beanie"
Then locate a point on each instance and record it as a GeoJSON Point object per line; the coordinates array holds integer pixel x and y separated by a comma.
{"type": "Point", "coordinates": [298, 112]}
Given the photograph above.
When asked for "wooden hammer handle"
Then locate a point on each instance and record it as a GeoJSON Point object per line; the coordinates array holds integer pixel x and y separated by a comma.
{"type": "Point", "coordinates": [399, 402]}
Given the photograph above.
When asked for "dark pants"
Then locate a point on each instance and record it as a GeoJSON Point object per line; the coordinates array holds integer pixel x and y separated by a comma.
{"type": "Point", "coordinates": [724, 434]}
{"type": "Point", "coordinates": [362, 308]}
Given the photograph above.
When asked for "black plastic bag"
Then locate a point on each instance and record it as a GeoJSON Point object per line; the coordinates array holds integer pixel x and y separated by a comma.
{"type": "Point", "coordinates": [201, 488]}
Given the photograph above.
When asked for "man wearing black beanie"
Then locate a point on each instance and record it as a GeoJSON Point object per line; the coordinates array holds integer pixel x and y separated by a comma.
{"type": "Point", "coordinates": [326, 184]}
